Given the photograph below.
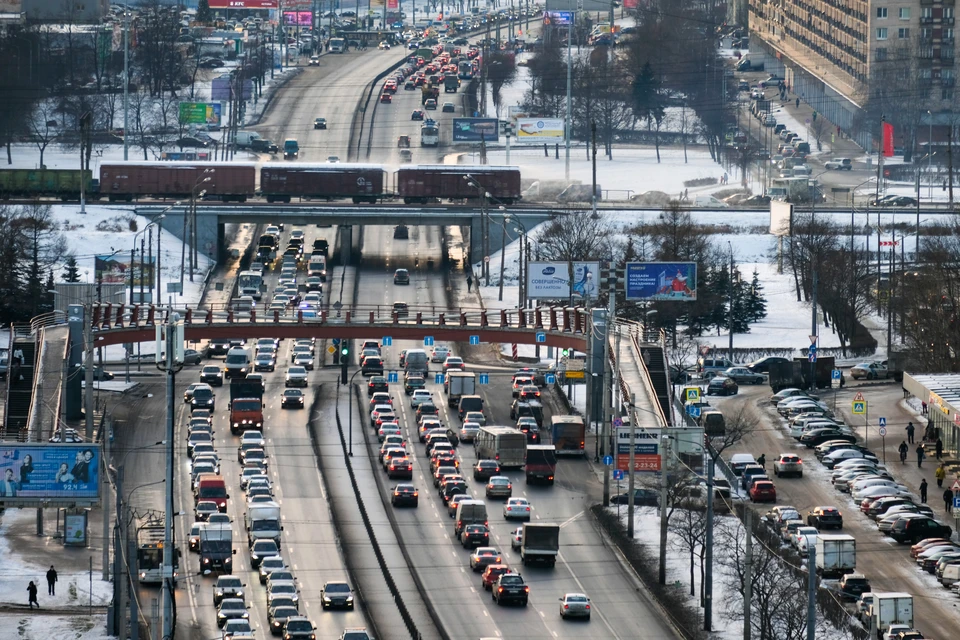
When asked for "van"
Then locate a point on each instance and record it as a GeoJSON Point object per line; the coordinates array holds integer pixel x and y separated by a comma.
{"type": "Point", "coordinates": [470, 512]}
{"type": "Point", "coordinates": [290, 149]}
{"type": "Point", "coordinates": [469, 403]}
{"type": "Point", "coordinates": [950, 575]}
{"type": "Point", "coordinates": [710, 202]}
{"type": "Point", "coordinates": [317, 267]}
{"type": "Point", "coordinates": [212, 487]}
{"type": "Point", "coordinates": [802, 147]}
{"type": "Point", "coordinates": [713, 423]}
{"type": "Point", "coordinates": [416, 360]}
{"type": "Point", "coordinates": [708, 366]}
{"type": "Point", "coordinates": [801, 171]}
{"type": "Point", "coordinates": [237, 364]}
{"type": "Point", "coordinates": [244, 139]}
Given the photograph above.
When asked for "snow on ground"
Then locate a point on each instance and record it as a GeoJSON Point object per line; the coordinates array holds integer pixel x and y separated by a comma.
{"type": "Point", "coordinates": [117, 386]}
{"type": "Point", "coordinates": [74, 627]}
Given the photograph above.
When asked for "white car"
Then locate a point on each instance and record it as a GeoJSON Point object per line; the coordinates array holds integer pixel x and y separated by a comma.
{"type": "Point", "coordinates": [869, 370]}
{"type": "Point", "coordinates": [469, 431]}
{"type": "Point", "coordinates": [516, 538]}
{"type": "Point", "coordinates": [311, 300]}
{"type": "Point", "coordinates": [253, 437]}
{"type": "Point", "coordinates": [420, 396]}
{"type": "Point", "coordinates": [440, 353]}
{"type": "Point", "coordinates": [804, 538]}
{"type": "Point", "coordinates": [516, 508]}
{"type": "Point", "coordinates": [296, 377]}
{"type": "Point", "coordinates": [453, 362]}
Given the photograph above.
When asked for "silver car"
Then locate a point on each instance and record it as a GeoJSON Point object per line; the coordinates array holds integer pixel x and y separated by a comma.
{"type": "Point", "coordinates": [742, 375]}
{"type": "Point", "coordinates": [574, 605]}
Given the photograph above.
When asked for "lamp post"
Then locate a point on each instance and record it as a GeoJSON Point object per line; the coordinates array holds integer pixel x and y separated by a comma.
{"type": "Point", "coordinates": [126, 82]}
{"type": "Point", "coordinates": [929, 155]}
{"type": "Point", "coordinates": [484, 225]}
{"type": "Point", "coordinates": [524, 243]}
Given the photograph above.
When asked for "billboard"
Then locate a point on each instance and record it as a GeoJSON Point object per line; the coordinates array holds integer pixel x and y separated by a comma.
{"type": "Point", "coordinates": [58, 473]}
{"type": "Point", "coordinates": [646, 447]}
{"type": "Point", "coordinates": [551, 280]}
{"type": "Point", "coordinates": [298, 18]}
{"type": "Point", "coordinates": [559, 18]}
{"type": "Point", "coordinates": [540, 130]}
{"type": "Point", "coordinates": [475, 130]}
{"type": "Point", "coordinates": [117, 269]}
{"type": "Point", "coordinates": [200, 113]}
{"type": "Point", "coordinates": [244, 4]}
{"type": "Point", "coordinates": [781, 218]}
{"type": "Point", "coordinates": [675, 281]}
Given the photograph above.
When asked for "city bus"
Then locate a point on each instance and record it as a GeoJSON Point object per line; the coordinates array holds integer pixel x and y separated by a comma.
{"type": "Point", "coordinates": [506, 445]}
{"type": "Point", "coordinates": [150, 554]}
{"type": "Point", "coordinates": [569, 434]}
{"type": "Point", "coordinates": [337, 45]}
{"type": "Point", "coordinates": [249, 283]}
{"type": "Point", "coordinates": [429, 136]}
{"type": "Point", "coordinates": [466, 70]}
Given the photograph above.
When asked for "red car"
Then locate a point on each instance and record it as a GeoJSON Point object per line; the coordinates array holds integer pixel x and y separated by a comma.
{"type": "Point", "coordinates": [386, 98]}
{"type": "Point", "coordinates": [763, 491]}
{"type": "Point", "coordinates": [492, 573]}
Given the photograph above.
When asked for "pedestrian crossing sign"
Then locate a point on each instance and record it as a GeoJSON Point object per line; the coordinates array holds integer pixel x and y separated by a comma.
{"type": "Point", "coordinates": [693, 394]}
{"type": "Point", "coordinates": [859, 407]}
{"type": "Point", "coordinates": [858, 397]}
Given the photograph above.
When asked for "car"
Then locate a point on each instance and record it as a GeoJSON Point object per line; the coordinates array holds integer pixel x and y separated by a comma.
{"type": "Point", "coordinates": [386, 98]}
{"type": "Point", "coordinates": [491, 574]}
{"type": "Point", "coordinates": [336, 594]}
{"type": "Point", "coordinates": [448, 107]}
{"type": "Point", "coordinates": [440, 353]}
{"type": "Point", "coordinates": [430, 104]}
{"type": "Point", "coordinates": [763, 491]}
{"type": "Point", "coordinates": [304, 360]}
{"type": "Point", "coordinates": [401, 309]}
{"type": "Point", "coordinates": [484, 556]}
{"type": "Point", "coordinates": [420, 396]}
{"type": "Point", "coordinates": [404, 495]}
{"type": "Point", "coordinates": [839, 164]}
{"type": "Point", "coordinates": [292, 399]}
{"type": "Point", "coordinates": [406, 155]}
{"type": "Point", "coordinates": [320, 123]}
{"type": "Point", "coordinates": [721, 385]}
{"type": "Point", "coordinates": [898, 201]}
{"type": "Point", "coordinates": [377, 384]}
{"type": "Point", "coordinates": [853, 585]}
{"type": "Point", "coordinates": [788, 464]}
{"type": "Point", "coordinates": [825, 517]}
{"type": "Point", "coordinates": [510, 587]}
{"type": "Point", "coordinates": [296, 377]}
{"type": "Point", "coordinates": [401, 276]}
{"type": "Point", "coordinates": [236, 628]}
{"type": "Point", "coordinates": [268, 566]}
{"type": "Point", "coordinates": [192, 356]}
{"type": "Point", "coordinates": [641, 498]}
{"type": "Point", "coordinates": [744, 375]}
{"type": "Point", "coordinates": [499, 487]}
{"type": "Point", "coordinates": [469, 431]}
{"type": "Point", "coordinates": [815, 437]}
{"type": "Point", "coordinates": [869, 370]}
{"type": "Point", "coordinates": [261, 549]}
{"type": "Point", "coordinates": [282, 589]}
{"type": "Point", "coordinates": [358, 633]}
{"type": "Point", "coordinates": [912, 530]}
{"type": "Point", "coordinates": [417, 114]}
{"type": "Point", "coordinates": [474, 535]}
{"type": "Point", "coordinates": [265, 362]}
{"type": "Point", "coordinates": [400, 468]}
{"type": "Point", "coordinates": [228, 587]}
{"type": "Point", "coordinates": [298, 627]}
{"type": "Point", "coordinates": [205, 508]}
{"type": "Point", "coordinates": [452, 363]}
{"type": "Point", "coordinates": [574, 605]}
{"type": "Point", "coordinates": [314, 61]}
{"type": "Point", "coordinates": [516, 509]}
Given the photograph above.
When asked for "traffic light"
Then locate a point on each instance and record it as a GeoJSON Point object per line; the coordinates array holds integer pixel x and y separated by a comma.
{"type": "Point", "coordinates": [344, 360]}
{"type": "Point", "coordinates": [565, 352]}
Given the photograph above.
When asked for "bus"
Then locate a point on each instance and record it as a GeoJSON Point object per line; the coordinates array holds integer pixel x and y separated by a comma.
{"type": "Point", "coordinates": [506, 445]}
{"type": "Point", "coordinates": [249, 283]}
{"type": "Point", "coordinates": [150, 553]}
{"type": "Point", "coordinates": [337, 45]}
{"type": "Point", "coordinates": [569, 434]}
{"type": "Point", "coordinates": [466, 70]}
{"type": "Point", "coordinates": [429, 136]}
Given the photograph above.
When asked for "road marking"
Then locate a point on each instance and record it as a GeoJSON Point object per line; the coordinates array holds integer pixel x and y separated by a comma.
{"type": "Point", "coordinates": [596, 609]}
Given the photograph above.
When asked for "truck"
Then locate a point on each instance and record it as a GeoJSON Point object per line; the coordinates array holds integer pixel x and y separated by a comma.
{"type": "Point", "coordinates": [458, 384]}
{"type": "Point", "coordinates": [836, 555]}
{"type": "Point", "coordinates": [898, 361]}
{"type": "Point", "coordinates": [785, 375]}
{"type": "Point", "coordinates": [451, 83]}
{"type": "Point", "coordinates": [246, 405]}
{"type": "Point", "coordinates": [262, 520]}
{"type": "Point", "coordinates": [267, 248]}
{"type": "Point", "coordinates": [540, 544]}
{"type": "Point", "coordinates": [890, 608]}
{"type": "Point", "coordinates": [428, 91]}
{"type": "Point", "coordinates": [541, 463]}
{"type": "Point", "coordinates": [216, 548]}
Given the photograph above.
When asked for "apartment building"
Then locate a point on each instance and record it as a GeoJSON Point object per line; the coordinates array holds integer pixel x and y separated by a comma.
{"type": "Point", "coordinates": [830, 50]}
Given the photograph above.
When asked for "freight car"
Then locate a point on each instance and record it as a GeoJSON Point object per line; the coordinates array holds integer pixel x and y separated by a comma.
{"type": "Point", "coordinates": [39, 183]}
{"type": "Point", "coordinates": [425, 183]}
{"type": "Point", "coordinates": [279, 182]}
{"type": "Point", "coordinates": [233, 181]}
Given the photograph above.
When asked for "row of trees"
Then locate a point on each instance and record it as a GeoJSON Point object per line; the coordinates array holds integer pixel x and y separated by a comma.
{"type": "Point", "coordinates": [31, 244]}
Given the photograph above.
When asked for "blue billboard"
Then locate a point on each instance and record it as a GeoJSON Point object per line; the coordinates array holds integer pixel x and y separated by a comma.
{"type": "Point", "coordinates": [476, 129]}
{"type": "Point", "coordinates": [54, 473]}
{"type": "Point", "coordinates": [675, 281]}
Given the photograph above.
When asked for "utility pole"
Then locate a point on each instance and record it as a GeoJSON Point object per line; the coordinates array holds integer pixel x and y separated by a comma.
{"type": "Point", "coordinates": [173, 335]}
{"type": "Point", "coordinates": [126, 83]}
{"type": "Point", "coordinates": [708, 555]}
{"type": "Point", "coordinates": [730, 303]}
{"type": "Point", "coordinates": [120, 580]}
{"type": "Point", "coordinates": [664, 467]}
{"type": "Point", "coordinates": [631, 469]}
{"type": "Point", "coordinates": [88, 409]}
{"type": "Point", "coordinates": [812, 593]}
{"type": "Point", "coordinates": [105, 500]}
{"type": "Point", "coordinates": [607, 380]}
{"type": "Point", "coordinates": [748, 575]}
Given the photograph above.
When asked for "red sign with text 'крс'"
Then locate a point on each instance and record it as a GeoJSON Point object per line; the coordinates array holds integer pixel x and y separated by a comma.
{"type": "Point", "coordinates": [244, 4]}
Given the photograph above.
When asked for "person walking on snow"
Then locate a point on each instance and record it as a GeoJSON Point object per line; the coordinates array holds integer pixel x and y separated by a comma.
{"type": "Point", "coordinates": [32, 595]}
{"type": "Point", "coordinates": [920, 455]}
{"type": "Point", "coordinates": [948, 500]}
{"type": "Point", "coordinates": [910, 431]}
{"type": "Point", "coordinates": [798, 103]}
{"type": "Point", "coordinates": [939, 448]}
{"type": "Point", "coordinates": [52, 581]}
{"type": "Point", "coordinates": [923, 491]}
{"type": "Point", "coordinates": [469, 282]}
{"type": "Point", "coordinates": [940, 474]}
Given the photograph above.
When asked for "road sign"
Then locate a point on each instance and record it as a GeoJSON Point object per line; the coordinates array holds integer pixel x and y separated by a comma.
{"type": "Point", "coordinates": [617, 422]}
{"type": "Point", "coordinates": [336, 342]}
{"type": "Point", "coordinates": [859, 407]}
{"type": "Point", "coordinates": [694, 411]}
{"type": "Point", "coordinates": [393, 376]}
{"type": "Point", "coordinates": [956, 503]}
{"type": "Point", "coordinates": [484, 378]}
{"type": "Point", "coordinates": [331, 349]}
{"type": "Point", "coordinates": [438, 378]}
{"type": "Point", "coordinates": [858, 397]}
{"type": "Point", "coordinates": [813, 356]}
{"type": "Point", "coordinates": [486, 259]}
{"type": "Point", "coordinates": [956, 485]}
{"type": "Point", "coordinates": [618, 474]}
{"type": "Point", "coordinates": [836, 374]}
{"type": "Point", "coordinates": [883, 431]}
{"type": "Point", "coordinates": [813, 341]}
{"type": "Point", "coordinates": [337, 305]}
{"type": "Point", "coordinates": [574, 375]}
{"type": "Point", "coordinates": [882, 421]}
{"type": "Point", "coordinates": [550, 378]}
{"type": "Point", "coordinates": [541, 336]}
{"type": "Point", "coordinates": [474, 340]}
{"type": "Point", "coordinates": [693, 394]}
{"type": "Point", "coordinates": [607, 461]}
{"type": "Point", "coordinates": [428, 341]}
{"type": "Point", "coordinates": [387, 341]}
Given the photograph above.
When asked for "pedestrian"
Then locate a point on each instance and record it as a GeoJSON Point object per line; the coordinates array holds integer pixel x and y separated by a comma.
{"type": "Point", "coordinates": [32, 595]}
{"type": "Point", "coordinates": [923, 407]}
{"type": "Point", "coordinates": [725, 178]}
{"type": "Point", "coordinates": [939, 448]}
{"type": "Point", "coordinates": [762, 460]}
{"type": "Point", "coordinates": [904, 449]}
{"type": "Point", "coordinates": [17, 363]}
{"type": "Point", "coordinates": [838, 131]}
{"type": "Point", "coordinates": [948, 500]}
{"type": "Point", "coordinates": [910, 431]}
{"type": "Point", "coordinates": [940, 474]}
{"type": "Point", "coordinates": [52, 581]}
{"type": "Point", "coordinates": [920, 455]}
{"type": "Point", "coordinates": [798, 103]}
{"type": "Point", "coordinates": [469, 282]}
{"type": "Point", "coordinates": [923, 490]}
{"type": "Point", "coordinates": [686, 194]}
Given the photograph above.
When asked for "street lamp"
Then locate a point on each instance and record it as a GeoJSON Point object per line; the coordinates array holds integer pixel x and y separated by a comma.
{"type": "Point", "coordinates": [133, 255]}
{"type": "Point", "coordinates": [524, 242]}
{"type": "Point", "coordinates": [484, 224]}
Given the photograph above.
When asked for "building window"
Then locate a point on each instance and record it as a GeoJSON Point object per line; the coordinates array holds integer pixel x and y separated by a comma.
{"type": "Point", "coordinates": [881, 33]}
{"type": "Point", "coordinates": [948, 12]}
{"type": "Point", "coordinates": [881, 54]}
{"type": "Point", "coordinates": [946, 93]}
{"type": "Point", "coordinates": [881, 12]}
{"type": "Point", "coordinates": [926, 33]}
{"type": "Point", "coordinates": [946, 74]}
{"type": "Point", "coordinates": [926, 52]}
{"type": "Point", "coordinates": [904, 13]}
{"type": "Point", "coordinates": [903, 33]}
{"type": "Point", "coordinates": [926, 12]}
{"type": "Point", "coordinates": [925, 74]}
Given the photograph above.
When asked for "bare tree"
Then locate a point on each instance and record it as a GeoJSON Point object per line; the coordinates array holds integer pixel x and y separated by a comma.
{"type": "Point", "coordinates": [43, 126]}
{"type": "Point", "coordinates": [576, 237]}
{"type": "Point", "coordinates": [737, 425]}
{"type": "Point", "coordinates": [689, 528]}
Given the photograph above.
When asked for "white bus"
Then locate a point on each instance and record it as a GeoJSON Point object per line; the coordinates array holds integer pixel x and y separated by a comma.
{"type": "Point", "coordinates": [248, 284]}
{"type": "Point", "coordinates": [429, 136]}
{"type": "Point", "coordinates": [506, 445]}
{"type": "Point", "coordinates": [337, 45]}
{"type": "Point", "coordinates": [569, 434]}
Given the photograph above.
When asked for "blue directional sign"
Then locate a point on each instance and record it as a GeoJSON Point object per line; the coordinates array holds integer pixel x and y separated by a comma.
{"type": "Point", "coordinates": [393, 376]}
{"type": "Point", "coordinates": [550, 378]}
{"type": "Point", "coordinates": [618, 474]}
{"type": "Point", "coordinates": [336, 342]}
{"type": "Point", "coordinates": [428, 341]}
{"type": "Point", "coordinates": [484, 378]}
{"type": "Point", "coordinates": [438, 378]}
{"type": "Point", "coordinates": [836, 374]}
{"type": "Point", "coordinates": [387, 341]}
{"type": "Point", "coordinates": [956, 503]}
{"type": "Point", "coordinates": [693, 410]}
{"type": "Point", "coordinates": [541, 336]}
{"type": "Point", "coordinates": [474, 340]}
{"type": "Point", "coordinates": [607, 461]}
{"type": "Point", "coordinates": [883, 422]}
{"type": "Point", "coordinates": [812, 357]}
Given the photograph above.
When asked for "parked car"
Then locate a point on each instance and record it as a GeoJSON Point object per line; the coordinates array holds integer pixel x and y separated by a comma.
{"type": "Point", "coordinates": [744, 375]}
{"type": "Point", "coordinates": [722, 386]}
{"type": "Point", "coordinates": [788, 464]}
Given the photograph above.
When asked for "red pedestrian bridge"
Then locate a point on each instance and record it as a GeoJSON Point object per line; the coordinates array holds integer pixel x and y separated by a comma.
{"type": "Point", "coordinates": [561, 327]}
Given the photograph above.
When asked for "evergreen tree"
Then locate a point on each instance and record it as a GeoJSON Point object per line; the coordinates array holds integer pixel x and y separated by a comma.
{"type": "Point", "coordinates": [719, 287]}
{"type": "Point", "coordinates": [739, 314]}
{"type": "Point", "coordinates": [756, 302]}
{"type": "Point", "coordinates": [71, 272]}
{"type": "Point", "coordinates": [46, 302]}
{"type": "Point", "coordinates": [204, 15]}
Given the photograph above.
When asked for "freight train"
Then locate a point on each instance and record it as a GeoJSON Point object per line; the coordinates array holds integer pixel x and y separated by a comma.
{"type": "Point", "coordinates": [278, 182]}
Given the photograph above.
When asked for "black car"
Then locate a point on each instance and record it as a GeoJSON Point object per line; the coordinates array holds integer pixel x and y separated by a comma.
{"type": "Point", "coordinates": [203, 398]}
{"type": "Point", "coordinates": [377, 383]}
{"type": "Point", "coordinates": [292, 398]}
{"type": "Point", "coordinates": [231, 609]}
{"type": "Point", "coordinates": [218, 347]}
{"type": "Point", "coordinates": [401, 276]}
{"type": "Point", "coordinates": [336, 594]}
{"type": "Point", "coordinates": [474, 535]}
{"type": "Point", "coordinates": [451, 489]}
{"type": "Point", "coordinates": [298, 627]}
{"type": "Point", "coordinates": [278, 616]}
{"type": "Point", "coordinates": [853, 585]}
{"type": "Point", "coordinates": [372, 365]}
{"type": "Point", "coordinates": [486, 469]}
{"type": "Point", "coordinates": [212, 375]}
{"type": "Point", "coordinates": [825, 518]}
{"type": "Point", "coordinates": [404, 495]}
{"type": "Point", "coordinates": [411, 383]}
{"type": "Point", "coordinates": [510, 588]}
{"type": "Point", "coordinates": [722, 386]}
{"type": "Point", "coordinates": [912, 530]}
{"type": "Point", "coordinates": [641, 498]}
{"type": "Point", "coordinates": [262, 549]}
{"type": "Point", "coordinates": [763, 364]}
{"type": "Point", "coordinates": [818, 436]}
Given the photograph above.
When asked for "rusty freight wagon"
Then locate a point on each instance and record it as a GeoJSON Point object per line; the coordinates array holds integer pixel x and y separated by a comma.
{"type": "Point", "coordinates": [234, 181]}
{"type": "Point", "coordinates": [279, 182]}
{"type": "Point", "coordinates": [426, 183]}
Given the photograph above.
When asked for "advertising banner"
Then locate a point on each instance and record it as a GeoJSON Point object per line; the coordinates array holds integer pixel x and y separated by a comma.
{"type": "Point", "coordinates": [781, 218]}
{"type": "Point", "coordinates": [58, 473]}
{"type": "Point", "coordinates": [540, 130]}
{"type": "Point", "coordinates": [551, 280]}
{"type": "Point", "coordinates": [393, 4]}
{"type": "Point", "coordinates": [298, 18]}
{"type": "Point", "coordinates": [244, 4]}
{"type": "Point", "coordinates": [475, 130]}
{"type": "Point", "coordinates": [200, 113]}
{"type": "Point", "coordinates": [646, 447]}
{"type": "Point", "coordinates": [675, 281]}
{"type": "Point", "coordinates": [117, 269]}
{"type": "Point", "coordinates": [559, 18]}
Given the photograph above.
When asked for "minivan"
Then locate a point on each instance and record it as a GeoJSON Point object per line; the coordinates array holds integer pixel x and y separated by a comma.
{"type": "Point", "coordinates": [237, 364]}
{"type": "Point", "coordinates": [416, 360]}
{"type": "Point", "coordinates": [708, 366]}
{"type": "Point", "coordinates": [713, 423]}
{"type": "Point", "coordinates": [469, 403]}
